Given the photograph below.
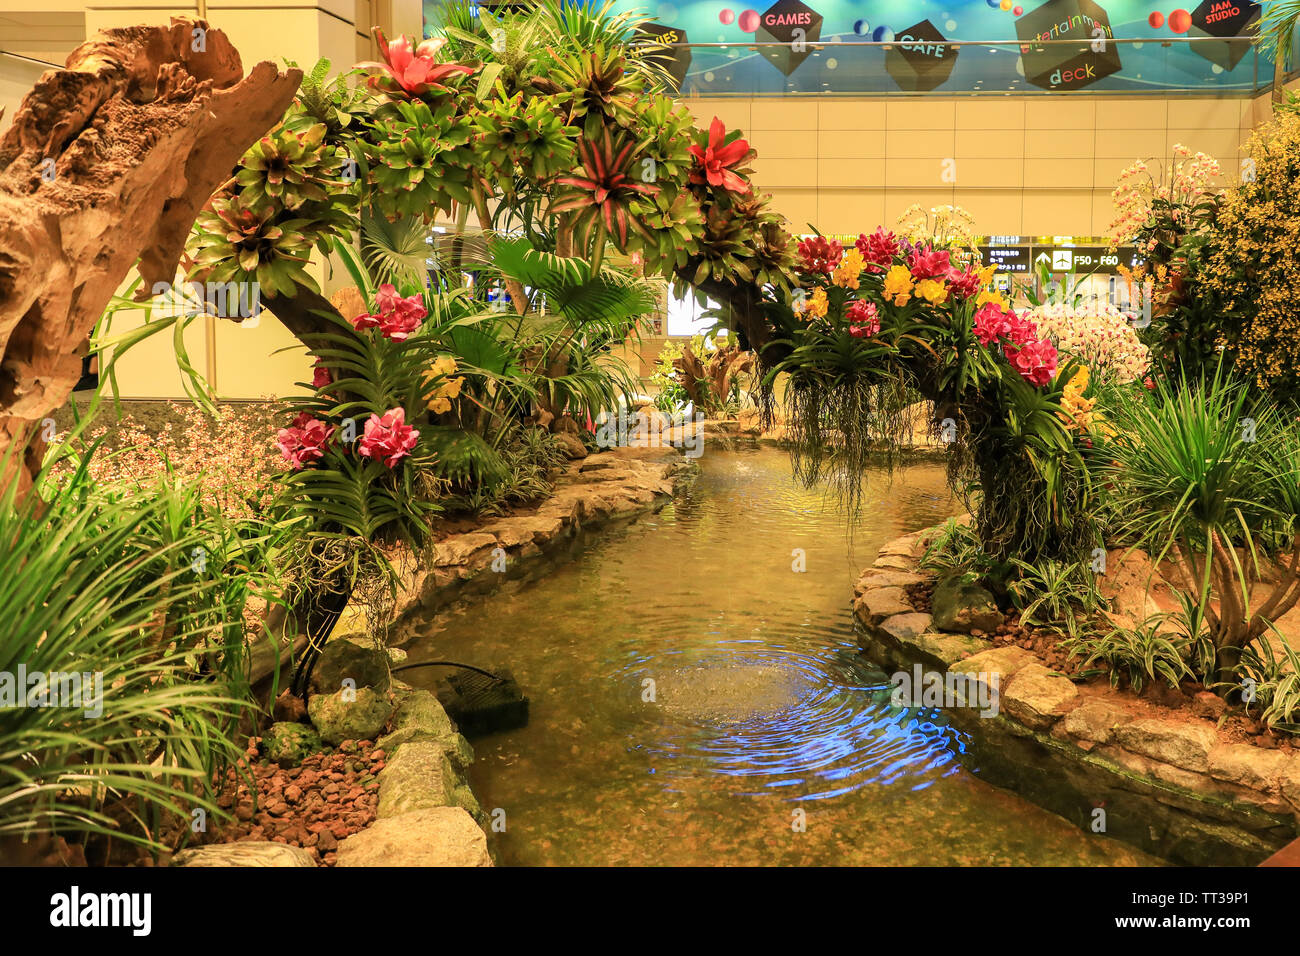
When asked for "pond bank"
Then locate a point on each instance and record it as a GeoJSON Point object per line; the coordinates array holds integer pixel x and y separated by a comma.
{"type": "Point", "coordinates": [1168, 784]}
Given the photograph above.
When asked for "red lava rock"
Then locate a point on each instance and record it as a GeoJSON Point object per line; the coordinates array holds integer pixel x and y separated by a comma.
{"type": "Point", "coordinates": [377, 756]}
{"type": "Point", "coordinates": [339, 829]}
{"type": "Point", "coordinates": [244, 813]}
{"type": "Point", "coordinates": [292, 793]}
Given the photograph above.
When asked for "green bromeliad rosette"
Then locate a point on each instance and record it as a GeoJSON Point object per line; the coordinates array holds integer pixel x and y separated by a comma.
{"type": "Point", "coordinates": [872, 330]}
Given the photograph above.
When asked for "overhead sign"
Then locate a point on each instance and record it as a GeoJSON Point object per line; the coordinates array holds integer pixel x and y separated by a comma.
{"type": "Point", "coordinates": [922, 60]}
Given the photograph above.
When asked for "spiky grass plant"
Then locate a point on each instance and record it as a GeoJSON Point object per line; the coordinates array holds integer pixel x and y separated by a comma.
{"type": "Point", "coordinates": [144, 594]}
{"type": "Point", "coordinates": [1206, 473]}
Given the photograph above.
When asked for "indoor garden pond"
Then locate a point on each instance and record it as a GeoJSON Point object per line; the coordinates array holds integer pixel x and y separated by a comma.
{"type": "Point", "coordinates": [459, 444]}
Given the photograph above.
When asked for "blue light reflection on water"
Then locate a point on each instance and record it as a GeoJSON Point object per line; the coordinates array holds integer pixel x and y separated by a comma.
{"type": "Point", "coordinates": [839, 735]}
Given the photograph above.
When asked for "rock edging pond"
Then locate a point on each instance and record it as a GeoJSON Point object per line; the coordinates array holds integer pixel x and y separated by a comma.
{"type": "Point", "coordinates": [1175, 788]}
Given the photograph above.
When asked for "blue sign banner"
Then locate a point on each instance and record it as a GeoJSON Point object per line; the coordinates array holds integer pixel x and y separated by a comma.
{"type": "Point", "coordinates": [957, 46]}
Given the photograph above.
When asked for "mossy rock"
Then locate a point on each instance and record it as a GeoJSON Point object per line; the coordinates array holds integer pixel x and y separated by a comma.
{"type": "Point", "coordinates": [348, 715]}
{"type": "Point", "coordinates": [343, 659]}
{"type": "Point", "coordinates": [289, 744]}
{"type": "Point", "coordinates": [960, 605]}
{"type": "Point", "coordinates": [419, 718]}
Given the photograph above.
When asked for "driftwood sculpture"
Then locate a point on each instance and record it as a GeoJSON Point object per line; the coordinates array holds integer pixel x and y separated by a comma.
{"type": "Point", "coordinates": [109, 161]}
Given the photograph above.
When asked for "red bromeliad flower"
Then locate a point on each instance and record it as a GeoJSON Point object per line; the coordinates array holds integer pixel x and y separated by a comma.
{"type": "Point", "coordinates": [820, 254]}
{"type": "Point", "coordinates": [927, 263]}
{"type": "Point", "coordinates": [388, 439]}
{"type": "Point", "coordinates": [605, 191]}
{"type": "Point", "coordinates": [878, 249]}
{"type": "Point", "coordinates": [413, 72]}
{"type": "Point", "coordinates": [864, 319]}
{"type": "Point", "coordinates": [304, 441]}
{"type": "Point", "coordinates": [964, 283]}
{"type": "Point", "coordinates": [714, 162]}
{"type": "Point", "coordinates": [1035, 361]}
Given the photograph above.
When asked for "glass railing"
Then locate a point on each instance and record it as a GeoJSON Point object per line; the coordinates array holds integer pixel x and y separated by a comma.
{"type": "Point", "coordinates": [912, 64]}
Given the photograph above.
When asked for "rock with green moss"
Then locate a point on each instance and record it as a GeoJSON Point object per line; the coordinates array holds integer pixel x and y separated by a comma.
{"type": "Point", "coordinates": [289, 744]}
{"type": "Point", "coordinates": [346, 659]}
{"type": "Point", "coordinates": [962, 606]}
{"type": "Point", "coordinates": [350, 715]}
{"type": "Point", "coordinates": [421, 718]}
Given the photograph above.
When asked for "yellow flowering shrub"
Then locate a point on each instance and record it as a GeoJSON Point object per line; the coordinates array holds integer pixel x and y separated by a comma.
{"type": "Point", "coordinates": [818, 303]}
{"type": "Point", "coordinates": [439, 373]}
{"type": "Point", "coordinates": [850, 268]}
{"type": "Point", "coordinates": [1252, 259]}
{"type": "Point", "coordinates": [898, 285]}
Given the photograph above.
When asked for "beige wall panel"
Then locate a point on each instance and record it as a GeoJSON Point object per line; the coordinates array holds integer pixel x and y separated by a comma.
{"type": "Point", "coordinates": [935, 144]}
{"type": "Point", "coordinates": [785, 173]}
{"type": "Point", "coordinates": [797, 205]}
{"type": "Point", "coordinates": [783, 145]}
{"type": "Point", "coordinates": [846, 144]}
{"type": "Point", "coordinates": [850, 210]}
{"type": "Point", "coordinates": [833, 113]}
{"type": "Point", "coordinates": [997, 212]}
{"type": "Point", "coordinates": [993, 112]}
{"type": "Point", "coordinates": [1008, 143]}
{"type": "Point", "coordinates": [976, 173]}
{"type": "Point", "coordinates": [1131, 144]}
{"type": "Point", "coordinates": [1106, 171]}
{"type": "Point", "coordinates": [149, 369]}
{"type": "Point", "coordinates": [1132, 114]}
{"type": "Point", "coordinates": [1057, 212]}
{"type": "Point", "coordinates": [1059, 143]}
{"type": "Point", "coordinates": [1058, 173]}
{"type": "Point", "coordinates": [1206, 114]}
{"type": "Point", "coordinates": [247, 363]}
{"type": "Point", "coordinates": [913, 173]}
{"type": "Point", "coordinates": [783, 114]}
{"type": "Point", "coordinates": [1103, 212]}
{"type": "Point", "coordinates": [734, 113]}
{"type": "Point", "coordinates": [1054, 112]}
{"type": "Point", "coordinates": [897, 200]}
{"type": "Point", "coordinates": [1216, 142]}
{"type": "Point", "coordinates": [907, 112]}
{"type": "Point", "coordinates": [406, 16]}
{"type": "Point", "coordinates": [851, 173]}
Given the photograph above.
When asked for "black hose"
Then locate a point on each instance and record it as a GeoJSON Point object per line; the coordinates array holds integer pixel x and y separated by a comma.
{"type": "Point", "coordinates": [468, 667]}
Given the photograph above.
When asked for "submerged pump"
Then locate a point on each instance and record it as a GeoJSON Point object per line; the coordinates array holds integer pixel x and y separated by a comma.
{"type": "Point", "coordinates": [479, 701]}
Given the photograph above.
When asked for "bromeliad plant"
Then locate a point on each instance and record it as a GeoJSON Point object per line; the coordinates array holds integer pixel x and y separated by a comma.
{"type": "Point", "coordinates": [889, 318]}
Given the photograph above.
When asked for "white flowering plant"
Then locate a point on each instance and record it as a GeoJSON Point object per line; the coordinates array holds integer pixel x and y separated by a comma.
{"type": "Point", "coordinates": [1098, 335]}
{"type": "Point", "coordinates": [1157, 210]}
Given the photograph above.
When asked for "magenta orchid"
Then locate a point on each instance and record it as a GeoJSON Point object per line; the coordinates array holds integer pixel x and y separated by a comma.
{"type": "Point", "coordinates": [388, 439]}
{"type": "Point", "coordinates": [304, 441]}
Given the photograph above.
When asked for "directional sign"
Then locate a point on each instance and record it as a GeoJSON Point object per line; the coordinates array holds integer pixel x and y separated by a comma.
{"type": "Point", "coordinates": [1008, 258]}
{"type": "Point", "coordinates": [1085, 259]}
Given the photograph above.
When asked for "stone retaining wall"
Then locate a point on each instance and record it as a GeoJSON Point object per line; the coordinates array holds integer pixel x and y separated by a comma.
{"type": "Point", "coordinates": [1174, 788]}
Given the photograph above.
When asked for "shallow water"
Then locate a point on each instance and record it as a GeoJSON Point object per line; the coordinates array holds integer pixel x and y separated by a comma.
{"type": "Point", "coordinates": [696, 701]}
